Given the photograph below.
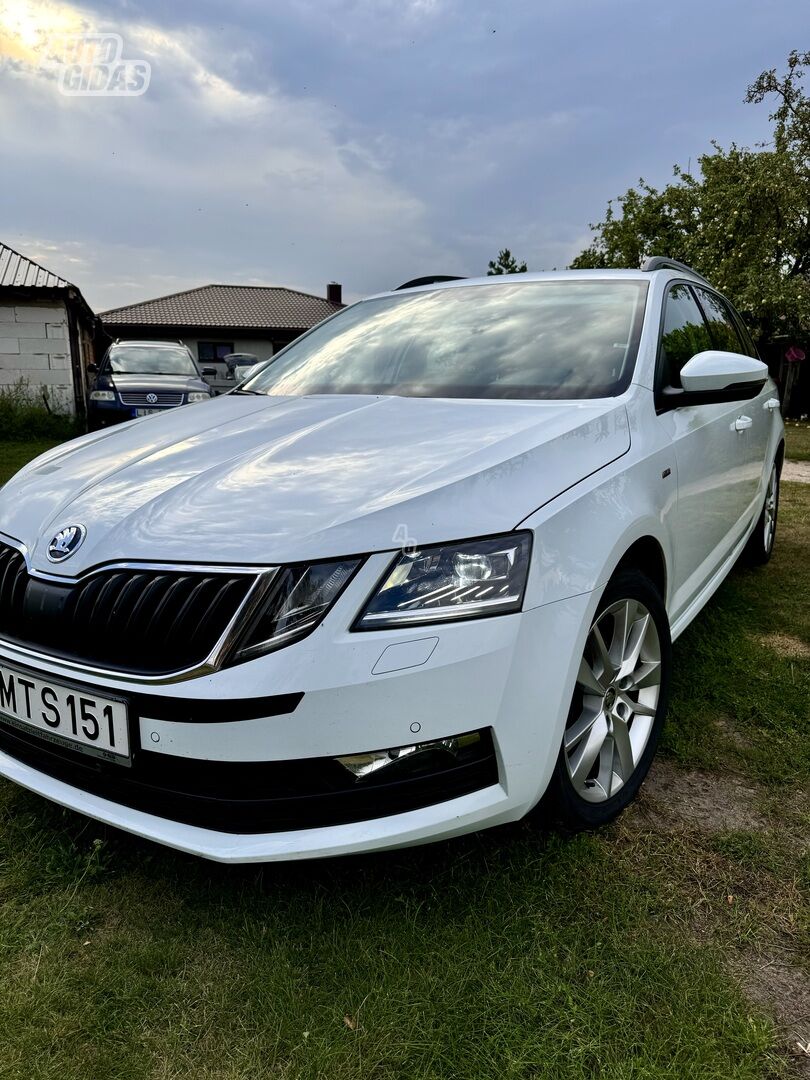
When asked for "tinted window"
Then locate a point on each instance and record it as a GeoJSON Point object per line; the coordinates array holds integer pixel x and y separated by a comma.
{"type": "Point", "coordinates": [721, 324]}
{"type": "Point", "coordinates": [144, 360]}
{"type": "Point", "coordinates": [562, 339]}
{"type": "Point", "coordinates": [749, 348]}
{"type": "Point", "coordinates": [685, 334]}
{"type": "Point", "coordinates": [208, 351]}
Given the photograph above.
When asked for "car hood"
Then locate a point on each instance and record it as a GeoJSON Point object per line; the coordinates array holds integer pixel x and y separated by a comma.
{"type": "Point", "coordinates": [172, 384]}
{"type": "Point", "coordinates": [259, 480]}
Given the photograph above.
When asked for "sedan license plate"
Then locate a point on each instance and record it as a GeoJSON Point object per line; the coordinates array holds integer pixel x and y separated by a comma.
{"type": "Point", "coordinates": [65, 715]}
{"type": "Point", "coordinates": [146, 412]}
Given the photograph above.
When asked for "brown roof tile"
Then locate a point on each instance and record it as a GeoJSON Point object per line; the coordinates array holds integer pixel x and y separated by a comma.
{"type": "Point", "coordinates": [244, 306]}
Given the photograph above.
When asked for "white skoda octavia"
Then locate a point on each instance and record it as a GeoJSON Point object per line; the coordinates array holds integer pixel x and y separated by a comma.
{"type": "Point", "coordinates": [417, 574]}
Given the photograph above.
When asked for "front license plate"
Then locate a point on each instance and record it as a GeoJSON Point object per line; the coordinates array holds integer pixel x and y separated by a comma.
{"type": "Point", "coordinates": [146, 412]}
{"type": "Point", "coordinates": [65, 715]}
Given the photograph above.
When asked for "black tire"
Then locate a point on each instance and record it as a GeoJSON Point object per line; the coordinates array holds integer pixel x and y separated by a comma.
{"type": "Point", "coordinates": [761, 542]}
{"type": "Point", "coordinates": [562, 800]}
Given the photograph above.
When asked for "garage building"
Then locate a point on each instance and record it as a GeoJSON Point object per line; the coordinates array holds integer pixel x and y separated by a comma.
{"type": "Point", "coordinates": [46, 334]}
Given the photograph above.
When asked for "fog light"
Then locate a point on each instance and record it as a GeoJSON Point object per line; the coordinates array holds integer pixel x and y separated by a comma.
{"type": "Point", "coordinates": [362, 765]}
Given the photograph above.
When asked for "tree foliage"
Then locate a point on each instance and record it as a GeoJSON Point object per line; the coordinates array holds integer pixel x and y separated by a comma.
{"type": "Point", "coordinates": [742, 219]}
{"type": "Point", "coordinates": [506, 263]}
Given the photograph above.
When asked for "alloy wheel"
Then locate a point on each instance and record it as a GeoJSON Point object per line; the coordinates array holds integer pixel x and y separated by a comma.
{"type": "Point", "coordinates": [771, 496]}
{"type": "Point", "coordinates": [618, 689]}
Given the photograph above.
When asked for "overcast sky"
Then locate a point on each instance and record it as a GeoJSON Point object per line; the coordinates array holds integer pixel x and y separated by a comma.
{"type": "Point", "coordinates": [291, 142]}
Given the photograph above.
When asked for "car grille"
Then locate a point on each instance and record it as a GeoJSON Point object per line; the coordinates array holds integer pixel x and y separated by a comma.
{"type": "Point", "coordinates": [149, 622]}
{"type": "Point", "coordinates": [261, 796]}
{"type": "Point", "coordinates": [134, 398]}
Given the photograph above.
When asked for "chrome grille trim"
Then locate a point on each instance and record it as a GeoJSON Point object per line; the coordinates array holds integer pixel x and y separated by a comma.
{"type": "Point", "coordinates": [163, 398]}
{"type": "Point", "coordinates": [22, 652]}
{"type": "Point", "coordinates": [134, 564]}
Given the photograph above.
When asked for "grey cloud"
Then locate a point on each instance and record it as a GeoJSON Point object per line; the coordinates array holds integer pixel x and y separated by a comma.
{"type": "Point", "coordinates": [371, 141]}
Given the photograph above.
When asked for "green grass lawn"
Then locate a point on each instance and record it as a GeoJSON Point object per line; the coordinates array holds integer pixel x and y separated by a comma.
{"type": "Point", "coordinates": [797, 440]}
{"type": "Point", "coordinates": [513, 953]}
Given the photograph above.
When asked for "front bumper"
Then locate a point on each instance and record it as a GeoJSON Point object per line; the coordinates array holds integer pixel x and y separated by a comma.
{"type": "Point", "coordinates": [341, 693]}
{"type": "Point", "coordinates": [101, 414]}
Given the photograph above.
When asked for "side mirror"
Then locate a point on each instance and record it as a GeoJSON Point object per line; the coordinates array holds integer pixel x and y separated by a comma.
{"type": "Point", "coordinates": [209, 372]}
{"type": "Point", "coordinates": [92, 369]}
{"type": "Point", "coordinates": [723, 373]}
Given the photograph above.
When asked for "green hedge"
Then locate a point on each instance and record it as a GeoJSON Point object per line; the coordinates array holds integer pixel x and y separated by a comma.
{"type": "Point", "coordinates": [25, 416]}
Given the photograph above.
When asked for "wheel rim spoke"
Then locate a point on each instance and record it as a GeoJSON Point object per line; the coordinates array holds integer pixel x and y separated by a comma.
{"type": "Point", "coordinates": [623, 756]}
{"type": "Point", "coordinates": [605, 659]}
{"type": "Point", "coordinates": [635, 642]}
{"type": "Point", "coordinates": [647, 674]}
{"type": "Point", "coordinates": [770, 508]}
{"type": "Point", "coordinates": [624, 616]}
{"type": "Point", "coordinates": [581, 727]}
{"type": "Point", "coordinates": [638, 708]}
{"type": "Point", "coordinates": [587, 680]}
{"type": "Point", "coordinates": [582, 760]}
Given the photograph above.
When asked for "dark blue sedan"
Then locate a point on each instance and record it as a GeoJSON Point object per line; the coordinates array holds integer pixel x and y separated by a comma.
{"type": "Point", "coordinates": [137, 378]}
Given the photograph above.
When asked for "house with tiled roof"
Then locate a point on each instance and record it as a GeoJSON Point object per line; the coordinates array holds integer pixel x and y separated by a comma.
{"type": "Point", "coordinates": [216, 320]}
{"type": "Point", "coordinates": [46, 334]}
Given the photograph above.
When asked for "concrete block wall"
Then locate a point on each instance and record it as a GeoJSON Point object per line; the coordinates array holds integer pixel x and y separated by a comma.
{"type": "Point", "coordinates": [34, 345]}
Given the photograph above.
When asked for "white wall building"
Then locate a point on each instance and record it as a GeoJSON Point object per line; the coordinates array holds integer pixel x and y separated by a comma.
{"type": "Point", "coordinates": [46, 334]}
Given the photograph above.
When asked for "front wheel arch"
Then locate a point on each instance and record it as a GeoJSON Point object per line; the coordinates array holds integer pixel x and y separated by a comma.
{"type": "Point", "coordinates": [647, 557]}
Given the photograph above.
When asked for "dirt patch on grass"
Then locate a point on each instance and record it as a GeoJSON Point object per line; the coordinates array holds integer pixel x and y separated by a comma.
{"type": "Point", "coordinates": [733, 884]}
{"type": "Point", "coordinates": [710, 802]}
{"type": "Point", "coordinates": [784, 992]}
{"type": "Point", "coordinates": [797, 471]}
{"type": "Point", "coordinates": [786, 645]}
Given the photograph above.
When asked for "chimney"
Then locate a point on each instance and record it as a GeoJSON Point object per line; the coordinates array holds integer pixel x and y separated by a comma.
{"type": "Point", "coordinates": [334, 292]}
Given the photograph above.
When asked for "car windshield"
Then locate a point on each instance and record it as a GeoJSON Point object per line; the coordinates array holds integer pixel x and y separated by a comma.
{"type": "Point", "coordinates": [145, 360]}
{"type": "Point", "coordinates": [534, 339]}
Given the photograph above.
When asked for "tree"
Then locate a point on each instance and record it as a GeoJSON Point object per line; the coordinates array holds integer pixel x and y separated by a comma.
{"type": "Point", "coordinates": [742, 220]}
{"type": "Point", "coordinates": [506, 263]}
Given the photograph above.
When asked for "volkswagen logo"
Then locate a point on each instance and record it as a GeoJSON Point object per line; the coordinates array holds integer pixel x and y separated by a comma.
{"type": "Point", "coordinates": [151, 399]}
{"type": "Point", "coordinates": [66, 542]}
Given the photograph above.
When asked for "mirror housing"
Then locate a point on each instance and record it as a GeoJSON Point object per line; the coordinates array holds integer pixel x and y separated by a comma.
{"type": "Point", "coordinates": [712, 377]}
{"type": "Point", "coordinates": [713, 371]}
{"type": "Point", "coordinates": [209, 372]}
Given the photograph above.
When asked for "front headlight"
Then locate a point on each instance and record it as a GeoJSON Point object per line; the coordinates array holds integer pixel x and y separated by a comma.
{"type": "Point", "coordinates": [198, 395]}
{"type": "Point", "coordinates": [452, 581]}
{"type": "Point", "coordinates": [102, 395]}
{"type": "Point", "coordinates": [297, 599]}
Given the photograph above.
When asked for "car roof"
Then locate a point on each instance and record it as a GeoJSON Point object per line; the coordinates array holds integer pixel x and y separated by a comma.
{"type": "Point", "coordinates": [551, 275]}
{"type": "Point", "coordinates": [149, 344]}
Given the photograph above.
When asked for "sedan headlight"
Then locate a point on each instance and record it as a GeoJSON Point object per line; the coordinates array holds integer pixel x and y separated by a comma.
{"type": "Point", "coordinates": [297, 599]}
{"type": "Point", "coordinates": [452, 581]}
{"type": "Point", "coordinates": [102, 395]}
{"type": "Point", "coordinates": [198, 395]}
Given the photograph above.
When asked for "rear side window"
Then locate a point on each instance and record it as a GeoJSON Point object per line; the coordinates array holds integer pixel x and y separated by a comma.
{"type": "Point", "coordinates": [749, 348]}
{"type": "Point", "coordinates": [721, 323]}
{"type": "Point", "coordinates": [685, 333]}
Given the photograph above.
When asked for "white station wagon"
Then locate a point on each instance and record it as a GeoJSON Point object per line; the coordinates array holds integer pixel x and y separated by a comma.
{"type": "Point", "coordinates": [416, 576]}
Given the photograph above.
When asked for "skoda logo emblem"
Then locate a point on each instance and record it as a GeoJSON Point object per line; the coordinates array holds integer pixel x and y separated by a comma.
{"type": "Point", "coordinates": [66, 542]}
{"type": "Point", "coordinates": [151, 399]}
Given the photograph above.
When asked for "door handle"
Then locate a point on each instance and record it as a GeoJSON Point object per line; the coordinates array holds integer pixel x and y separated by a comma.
{"type": "Point", "coordinates": [771, 404]}
{"type": "Point", "coordinates": [742, 422]}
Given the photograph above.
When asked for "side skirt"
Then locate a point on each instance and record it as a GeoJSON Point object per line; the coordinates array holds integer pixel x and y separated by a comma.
{"type": "Point", "coordinates": [712, 585]}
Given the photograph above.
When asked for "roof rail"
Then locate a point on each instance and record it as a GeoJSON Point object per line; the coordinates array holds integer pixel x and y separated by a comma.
{"type": "Point", "coordinates": [661, 262]}
{"type": "Point", "coordinates": [431, 279]}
